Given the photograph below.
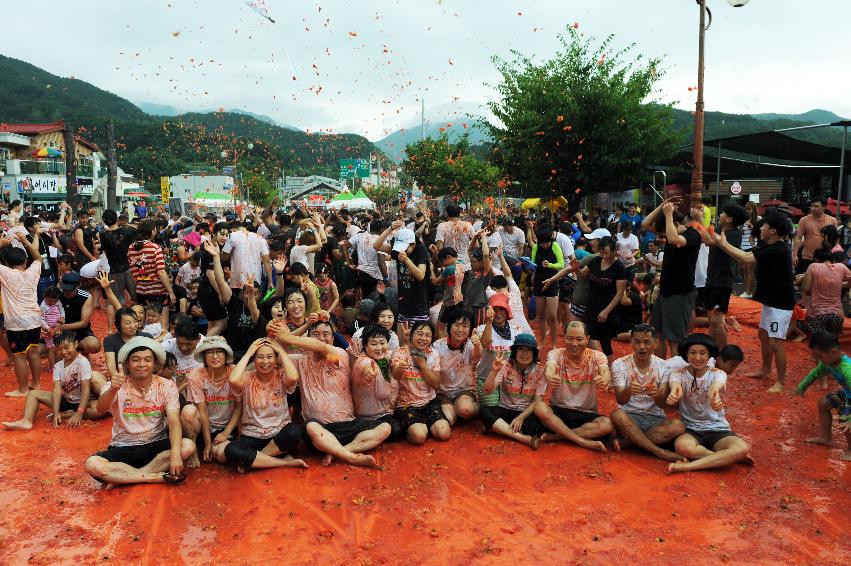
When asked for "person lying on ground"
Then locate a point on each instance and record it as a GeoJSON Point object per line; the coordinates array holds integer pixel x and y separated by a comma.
{"type": "Point", "coordinates": [266, 431]}
{"type": "Point", "coordinates": [574, 373]}
{"type": "Point", "coordinates": [522, 385]}
{"type": "Point", "coordinates": [147, 443]}
{"type": "Point", "coordinates": [696, 389]}
{"type": "Point", "coordinates": [825, 348]}
{"type": "Point", "coordinates": [72, 389]}
{"type": "Point", "coordinates": [638, 420]}
{"type": "Point", "coordinates": [326, 399]}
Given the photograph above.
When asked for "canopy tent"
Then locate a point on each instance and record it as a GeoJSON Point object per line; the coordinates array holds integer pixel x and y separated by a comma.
{"type": "Point", "coordinates": [344, 195]}
{"type": "Point", "coordinates": [844, 208]}
{"type": "Point", "coordinates": [361, 194]}
{"type": "Point", "coordinates": [552, 203]}
{"type": "Point", "coordinates": [353, 204]}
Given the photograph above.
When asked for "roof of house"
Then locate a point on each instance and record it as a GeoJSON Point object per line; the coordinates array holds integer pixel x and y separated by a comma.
{"type": "Point", "coordinates": [34, 129]}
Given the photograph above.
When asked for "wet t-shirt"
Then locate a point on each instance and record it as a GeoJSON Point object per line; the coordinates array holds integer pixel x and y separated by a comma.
{"type": "Point", "coordinates": [141, 419]}
{"type": "Point", "coordinates": [325, 393]}
{"type": "Point", "coordinates": [695, 411]}
{"type": "Point", "coordinates": [577, 390]}
{"type": "Point", "coordinates": [185, 362]}
{"type": "Point", "coordinates": [372, 396]}
{"type": "Point", "coordinates": [499, 345]}
{"type": "Point", "coordinates": [456, 234]}
{"type": "Point", "coordinates": [264, 405]}
{"type": "Point", "coordinates": [456, 367]}
{"type": "Point", "coordinates": [625, 372]}
{"type": "Point", "coordinates": [517, 390]}
{"type": "Point", "coordinates": [414, 390]}
{"type": "Point", "coordinates": [72, 377]}
{"type": "Point", "coordinates": [219, 398]}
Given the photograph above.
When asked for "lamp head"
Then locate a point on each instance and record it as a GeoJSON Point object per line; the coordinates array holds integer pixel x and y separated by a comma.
{"type": "Point", "coordinates": [737, 3]}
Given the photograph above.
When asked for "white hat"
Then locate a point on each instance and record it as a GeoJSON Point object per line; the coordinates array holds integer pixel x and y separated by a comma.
{"type": "Point", "coordinates": [598, 233]}
{"type": "Point", "coordinates": [404, 238]}
{"type": "Point", "coordinates": [214, 343]}
{"type": "Point", "coordinates": [141, 342]}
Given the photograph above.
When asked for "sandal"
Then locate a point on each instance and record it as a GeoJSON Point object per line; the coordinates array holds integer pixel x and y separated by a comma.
{"type": "Point", "coordinates": [174, 480]}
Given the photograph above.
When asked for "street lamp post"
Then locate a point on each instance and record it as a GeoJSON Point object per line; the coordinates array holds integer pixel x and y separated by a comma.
{"type": "Point", "coordinates": [697, 172]}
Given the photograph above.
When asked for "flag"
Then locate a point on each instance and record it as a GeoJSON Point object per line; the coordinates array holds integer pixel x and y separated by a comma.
{"type": "Point", "coordinates": [260, 7]}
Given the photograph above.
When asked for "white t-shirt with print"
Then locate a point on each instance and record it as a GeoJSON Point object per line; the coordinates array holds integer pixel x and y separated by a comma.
{"type": "Point", "coordinates": [625, 372]}
{"type": "Point", "coordinates": [72, 377]}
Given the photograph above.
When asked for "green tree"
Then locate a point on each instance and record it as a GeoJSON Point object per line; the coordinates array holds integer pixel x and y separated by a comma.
{"type": "Point", "coordinates": [259, 188]}
{"type": "Point", "coordinates": [381, 195]}
{"type": "Point", "coordinates": [586, 121]}
{"type": "Point", "coordinates": [441, 168]}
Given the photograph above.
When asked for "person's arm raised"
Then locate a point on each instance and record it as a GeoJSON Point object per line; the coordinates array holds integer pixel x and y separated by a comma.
{"type": "Point", "coordinates": [237, 374]}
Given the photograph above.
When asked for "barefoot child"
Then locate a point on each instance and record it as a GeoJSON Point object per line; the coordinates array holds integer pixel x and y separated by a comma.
{"type": "Point", "coordinates": [71, 394]}
{"type": "Point", "coordinates": [825, 348]}
{"type": "Point", "coordinates": [522, 385]}
{"type": "Point", "coordinates": [52, 315]}
{"type": "Point", "coordinates": [708, 440]}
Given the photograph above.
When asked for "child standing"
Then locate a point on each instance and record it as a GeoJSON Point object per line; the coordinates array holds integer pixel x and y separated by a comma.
{"type": "Point", "coordinates": [475, 284]}
{"type": "Point", "coordinates": [52, 315]}
{"type": "Point", "coordinates": [831, 361]}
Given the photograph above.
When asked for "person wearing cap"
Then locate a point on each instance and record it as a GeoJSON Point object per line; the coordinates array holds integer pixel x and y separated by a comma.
{"type": "Point", "coordinates": [522, 385]}
{"type": "Point", "coordinates": [411, 259]}
{"type": "Point", "coordinates": [549, 260]}
{"type": "Point", "coordinates": [497, 336]}
{"type": "Point", "coordinates": [267, 434]}
{"type": "Point", "coordinates": [696, 390]}
{"type": "Point", "coordinates": [21, 313]}
{"type": "Point", "coordinates": [506, 285]}
{"type": "Point", "coordinates": [775, 290]}
{"type": "Point", "coordinates": [637, 379]}
{"type": "Point", "coordinates": [326, 399]}
{"type": "Point", "coordinates": [574, 373]}
{"type": "Point", "coordinates": [79, 306]}
{"type": "Point", "coordinates": [147, 444]}
{"type": "Point", "coordinates": [674, 307]}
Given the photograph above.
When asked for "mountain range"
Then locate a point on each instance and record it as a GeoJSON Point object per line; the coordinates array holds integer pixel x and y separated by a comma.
{"type": "Point", "coordinates": [31, 94]}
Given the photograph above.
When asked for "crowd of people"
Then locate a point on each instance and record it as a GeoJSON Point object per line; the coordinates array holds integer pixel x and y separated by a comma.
{"type": "Point", "coordinates": [261, 335]}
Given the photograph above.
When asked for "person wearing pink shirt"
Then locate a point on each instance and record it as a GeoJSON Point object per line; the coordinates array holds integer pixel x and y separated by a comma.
{"type": "Point", "coordinates": [374, 389]}
{"type": "Point", "coordinates": [326, 399]}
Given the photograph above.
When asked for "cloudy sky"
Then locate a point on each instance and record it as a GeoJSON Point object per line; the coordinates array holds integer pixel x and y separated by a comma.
{"type": "Point", "coordinates": [363, 66]}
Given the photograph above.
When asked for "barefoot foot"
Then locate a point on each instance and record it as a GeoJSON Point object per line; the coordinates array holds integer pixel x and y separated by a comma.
{"type": "Point", "coordinates": [616, 444]}
{"type": "Point", "coordinates": [747, 460]}
{"type": "Point", "coordinates": [193, 461]}
{"type": "Point", "coordinates": [361, 460]}
{"type": "Point", "coordinates": [675, 467]}
{"type": "Point", "coordinates": [326, 461]}
{"type": "Point", "coordinates": [776, 388]}
{"type": "Point", "coordinates": [818, 440]}
{"type": "Point", "coordinates": [16, 393]}
{"type": "Point", "coordinates": [669, 456]}
{"type": "Point", "coordinates": [18, 425]}
{"type": "Point", "coordinates": [759, 374]}
{"type": "Point", "coordinates": [595, 445]}
{"type": "Point", "coordinates": [295, 463]}
{"type": "Point", "coordinates": [845, 456]}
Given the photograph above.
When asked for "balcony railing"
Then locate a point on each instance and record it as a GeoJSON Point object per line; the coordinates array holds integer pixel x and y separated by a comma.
{"type": "Point", "coordinates": [43, 167]}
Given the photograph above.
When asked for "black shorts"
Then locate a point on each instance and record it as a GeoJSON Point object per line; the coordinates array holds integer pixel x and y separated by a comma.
{"type": "Point", "coordinates": [66, 405]}
{"type": "Point", "coordinates": [531, 426]}
{"type": "Point", "coordinates": [83, 333]}
{"type": "Point", "coordinates": [286, 440]}
{"type": "Point", "coordinates": [367, 283]}
{"type": "Point", "coordinates": [212, 307]}
{"type": "Point", "coordinates": [135, 456]}
{"type": "Point", "coordinates": [565, 289]}
{"type": "Point", "coordinates": [709, 438]}
{"type": "Point", "coordinates": [428, 414]}
{"type": "Point", "coordinates": [450, 397]}
{"type": "Point", "coordinates": [715, 298]}
{"type": "Point", "coordinates": [700, 301]}
{"type": "Point", "coordinates": [199, 440]}
{"type": "Point", "coordinates": [551, 291]}
{"type": "Point", "coordinates": [573, 418]}
{"type": "Point", "coordinates": [396, 430]}
{"type": "Point", "coordinates": [343, 431]}
{"type": "Point", "coordinates": [838, 400]}
{"type": "Point", "coordinates": [22, 340]}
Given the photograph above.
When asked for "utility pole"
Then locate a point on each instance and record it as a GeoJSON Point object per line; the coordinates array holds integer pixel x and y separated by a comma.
{"type": "Point", "coordinates": [422, 119]}
{"type": "Point", "coordinates": [70, 167]}
{"type": "Point", "coordinates": [111, 166]}
{"type": "Point", "coordinates": [697, 172]}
